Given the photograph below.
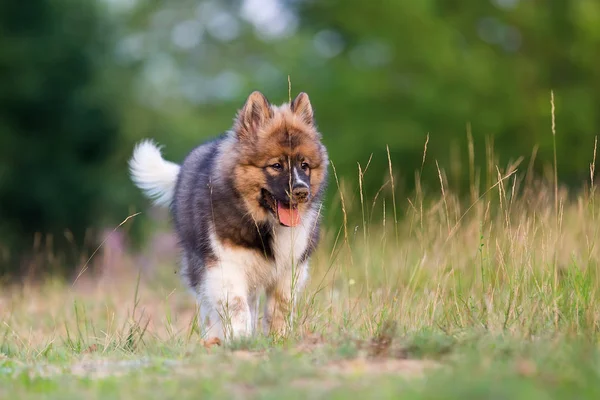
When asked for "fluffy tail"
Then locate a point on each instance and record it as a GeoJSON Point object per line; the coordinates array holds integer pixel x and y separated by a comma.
{"type": "Point", "coordinates": [152, 173]}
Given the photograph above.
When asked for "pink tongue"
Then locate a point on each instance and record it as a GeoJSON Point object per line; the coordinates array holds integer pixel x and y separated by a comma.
{"type": "Point", "coordinates": [287, 215]}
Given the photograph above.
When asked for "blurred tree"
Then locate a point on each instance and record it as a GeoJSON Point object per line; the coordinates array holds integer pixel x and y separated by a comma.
{"type": "Point", "coordinates": [57, 129]}
{"type": "Point", "coordinates": [409, 68]}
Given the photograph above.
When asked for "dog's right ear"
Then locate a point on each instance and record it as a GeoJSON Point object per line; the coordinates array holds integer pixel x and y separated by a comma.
{"type": "Point", "coordinates": [253, 115]}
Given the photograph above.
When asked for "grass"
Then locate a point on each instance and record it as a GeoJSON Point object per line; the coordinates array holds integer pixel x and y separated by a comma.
{"type": "Point", "coordinates": [495, 297]}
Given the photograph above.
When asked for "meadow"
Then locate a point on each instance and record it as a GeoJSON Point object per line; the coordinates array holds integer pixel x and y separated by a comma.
{"type": "Point", "coordinates": [489, 295]}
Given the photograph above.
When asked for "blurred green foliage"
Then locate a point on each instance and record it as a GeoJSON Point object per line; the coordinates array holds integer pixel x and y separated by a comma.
{"type": "Point", "coordinates": [57, 130]}
{"type": "Point", "coordinates": [491, 64]}
{"type": "Point", "coordinates": [82, 81]}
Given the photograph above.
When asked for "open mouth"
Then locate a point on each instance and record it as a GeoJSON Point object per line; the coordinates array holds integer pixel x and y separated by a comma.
{"type": "Point", "coordinates": [287, 214]}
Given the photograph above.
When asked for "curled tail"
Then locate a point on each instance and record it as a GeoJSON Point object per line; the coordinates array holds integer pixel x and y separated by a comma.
{"type": "Point", "coordinates": [152, 173]}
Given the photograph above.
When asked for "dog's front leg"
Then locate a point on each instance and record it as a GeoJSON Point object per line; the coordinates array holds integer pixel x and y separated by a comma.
{"type": "Point", "coordinates": [225, 308]}
{"type": "Point", "coordinates": [254, 302]}
{"type": "Point", "coordinates": [281, 300]}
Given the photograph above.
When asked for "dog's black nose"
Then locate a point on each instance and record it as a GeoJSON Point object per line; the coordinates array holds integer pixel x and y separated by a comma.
{"type": "Point", "coordinates": [300, 193]}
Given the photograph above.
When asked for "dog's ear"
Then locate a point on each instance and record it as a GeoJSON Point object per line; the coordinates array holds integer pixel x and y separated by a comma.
{"type": "Point", "coordinates": [256, 111]}
{"type": "Point", "coordinates": [302, 108]}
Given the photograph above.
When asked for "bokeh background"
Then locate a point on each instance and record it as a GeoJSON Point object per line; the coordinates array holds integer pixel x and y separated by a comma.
{"type": "Point", "coordinates": [82, 81]}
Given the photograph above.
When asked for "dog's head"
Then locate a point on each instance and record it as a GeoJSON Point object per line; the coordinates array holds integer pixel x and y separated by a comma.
{"type": "Point", "coordinates": [282, 164]}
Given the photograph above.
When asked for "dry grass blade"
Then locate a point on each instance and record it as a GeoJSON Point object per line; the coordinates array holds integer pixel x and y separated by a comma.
{"type": "Point", "coordinates": [84, 268]}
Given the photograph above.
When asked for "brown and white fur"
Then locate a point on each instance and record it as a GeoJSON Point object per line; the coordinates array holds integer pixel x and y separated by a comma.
{"type": "Point", "coordinates": [246, 209]}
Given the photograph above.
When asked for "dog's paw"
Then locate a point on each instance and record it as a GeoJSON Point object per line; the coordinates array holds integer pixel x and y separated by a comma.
{"type": "Point", "coordinates": [208, 343]}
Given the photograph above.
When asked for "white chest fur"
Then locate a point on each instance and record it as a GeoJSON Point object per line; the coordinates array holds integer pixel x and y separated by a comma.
{"type": "Point", "coordinates": [288, 245]}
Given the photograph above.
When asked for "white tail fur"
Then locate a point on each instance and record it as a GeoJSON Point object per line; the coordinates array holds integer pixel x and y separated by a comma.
{"type": "Point", "coordinates": [152, 173]}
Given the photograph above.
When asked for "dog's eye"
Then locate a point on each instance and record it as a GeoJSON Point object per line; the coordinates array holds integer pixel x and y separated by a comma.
{"type": "Point", "coordinates": [276, 167]}
{"type": "Point", "coordinates": [304, 166]}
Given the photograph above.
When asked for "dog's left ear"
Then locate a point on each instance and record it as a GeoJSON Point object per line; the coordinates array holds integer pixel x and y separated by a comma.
{"type": "Point", "coordinates": [302, 108]}
{"type": "Point", "coordinates": [256, 111]}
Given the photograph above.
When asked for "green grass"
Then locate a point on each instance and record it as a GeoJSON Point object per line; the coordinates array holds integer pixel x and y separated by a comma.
{"type": "Point", "coordinates": [477, 366]}
{"type": "Point", "coordinates": [428, 297]}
